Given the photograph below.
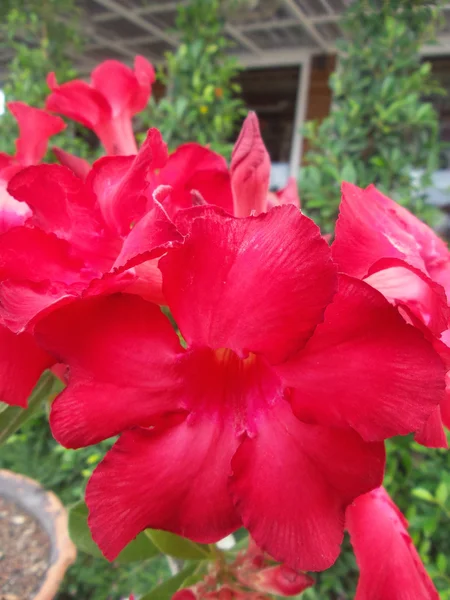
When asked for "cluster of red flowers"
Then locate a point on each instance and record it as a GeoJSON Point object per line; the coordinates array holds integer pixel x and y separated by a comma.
{"type": "Point", "coordinates": [267, 405]}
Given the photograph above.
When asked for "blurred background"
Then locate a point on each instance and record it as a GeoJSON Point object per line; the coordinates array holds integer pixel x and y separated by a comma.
{"type": "Point", "coordinates": [355, 91]}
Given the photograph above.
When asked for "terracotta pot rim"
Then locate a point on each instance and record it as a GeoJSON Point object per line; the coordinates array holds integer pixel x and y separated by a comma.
{"type": "Point", "coordinates": [49, 509]}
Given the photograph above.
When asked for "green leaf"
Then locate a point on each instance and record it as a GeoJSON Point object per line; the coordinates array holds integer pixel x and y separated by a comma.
{"type": "Point", "coordinates": [442, 493]}
{"type": "Point", "coordinates": [441, 563]}
{"type": "Point", "coordinates": [165, 590]}
{"type": "Point", "coordinates": [139, 549]}
{"type": "Point", "coordinates": [13, 417]}
{"type": "Point", "coordinates": [348, 173]}
{"type": "Point", "coordinates": [423, 494]}
{"type": "Point", "coordinates": [177, 546]}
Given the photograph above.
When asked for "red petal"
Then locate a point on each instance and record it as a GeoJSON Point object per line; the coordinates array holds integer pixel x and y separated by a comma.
{"type": "Point", "coordinates": [36, 127]}
{"type": "Point", "coordinates": [390, 566]}
{"type": "Point", "coordinates": [23, 304]}
{"type": "Point", "coordinates": [127, 91]}
{"type": "Point", "coordinates": [402, 284]}
{"type": "Point", "coordinates": [151, 237]}
{"type": "Point", "coordinates": [12, 212]}
{"type": "Point", "coordinates": [77, 100]}
{"type": "Point", "coordinates": [123, 355]}
{"type": "Point", "coordinates": [282, 248]}
{"type": "Point", "coordinates": [79, 166]}
{"type": "Point", "coordinates": [359, 357]}
{"type": "Point", "coordinates": [250, 170]}
{"type": "Point", "coordinates": [195, 167]}
{"type": "Point", "coordinates": [117, 83]}
{"type": "Point", "coordinates": [33, 255]}
{"type": "Point", "coordinates": [287, 195]}
{"type": "Point", "coordinates": [21, 364]}
{"type": "Point", "coordinates": [292, 482]}
{"type": "Point", "coordinates": [64, 205]}
{"type": "Point", "coordinates": [432, 434]}
{"type": "Point", "coordinates": [367, 230]}
{"type": "Point", "coordinates": [121, 183]}
{"type": "Point", "coordinates": [172, 478]}
{"type": "Point", "coordinates": [145, 75]}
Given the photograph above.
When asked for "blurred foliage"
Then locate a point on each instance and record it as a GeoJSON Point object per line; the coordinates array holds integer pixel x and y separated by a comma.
{"type": "Point", "coordinates": [201, 100]}
{"type": "Point", "coordinates": [35, 453]}
{"type": "Point", "coordinates": [379, 128]}
{"type": "Point", "coordinates": [40, 35]}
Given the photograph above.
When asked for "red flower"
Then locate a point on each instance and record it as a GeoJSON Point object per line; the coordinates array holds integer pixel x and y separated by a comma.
{"type": "Point", "coordinates": [77, 241]}
{"type": "Point", "coordinates": [35, 128]}
{"type": "Point", "coordinates": [390, 566]}
{"type": "Point", "coordinates": [106, 105]}
{"type": "Point", "coordinates": [382, 243]}
{"type": "Point", "coordinates": [21, 360]}
{"type": "Point", "coordinates": [210, 438]}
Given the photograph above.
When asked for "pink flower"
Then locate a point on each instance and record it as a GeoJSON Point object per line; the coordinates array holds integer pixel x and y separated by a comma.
{"type": "Point", "coordinates": [108, 103]}
{"type": "Point", "coordinates": [390, 566]}
{"type": "Point", "coordinates": [382, 243]}
{"type": "Point", "coordinates": [214, 434]}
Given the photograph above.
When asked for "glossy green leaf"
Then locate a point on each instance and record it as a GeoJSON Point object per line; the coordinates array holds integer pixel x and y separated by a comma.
{"type": "Point", "coordinates": [177, 546]}
{"type": "Point", "coordinates": [165, 590]}
{"type": "Point", "coordinates": [140, 548]}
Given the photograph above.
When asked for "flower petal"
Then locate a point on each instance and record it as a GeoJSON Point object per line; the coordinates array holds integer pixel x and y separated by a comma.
{"type": "Point", "coordinates": [23, 304]}
{"type": "Point", "coordinates": [172, 478]}
{"type": "Point", "coordinates": [12, 212]}
{"type": "Point", "coordinates": [77, 100]}
{"type": "Point", "coordinates": [120, 183]}
{"type": "Point", "coordinates": [123, 356]}
{"type": "Point", "coordinates": [432, 434]}
{"type": "Point", "coordinates": [152, 236]}
{"type": "Point", "coordinates": [36, 127]}
{"type": "Point", "coordinates": [365, 368]}
{"type": "Point", "coordinates": [390, 566]}
{"type": "Point", "coordinates": [250, 170]}
{"type": "Point", "coordinates": [292, 482]}
{"type": "Point", "coordinates": [79, 166]}
{"type": "Point", "coordinates": [21, 364]}
{"type": "Point", "coordinates": [367, 230]}
{"type": "Point", "coordinates": [195, 167]}
{"type": "Point", "coordinates": [126, 93]}
{"type": "Point", "coordinates": [403, 284]}
{"type": "Point", "coordinates": [282, 248]}
{"type": "Point", "coordinates": [34, 255]}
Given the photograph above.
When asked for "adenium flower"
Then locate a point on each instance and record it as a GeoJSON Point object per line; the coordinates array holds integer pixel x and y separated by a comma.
{"type": "Point", "coordinates": [385, 245]}
{"type": "Point", "coordinates": [106, 105]}
{"type": "Point", "coordinates": [21, 360]}
{"type": "Point", "coordinates": [390, 566]}
{"type": "Point", "coordinates": [255, 570]}
{"type": "Point", "coordinates": [214, 431]}
{"type": "Point", "coordinates": [77, 241]}
{"type": "Point", "coordinates": [35, 128]}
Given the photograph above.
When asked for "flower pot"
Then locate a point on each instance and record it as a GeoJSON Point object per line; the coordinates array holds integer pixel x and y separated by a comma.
{"type": "Point", "coordinates": [35, 547]}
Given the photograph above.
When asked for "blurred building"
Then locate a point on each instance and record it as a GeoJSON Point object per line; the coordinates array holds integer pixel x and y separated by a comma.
{"type": "Point", "coordinates": [286, 46]}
